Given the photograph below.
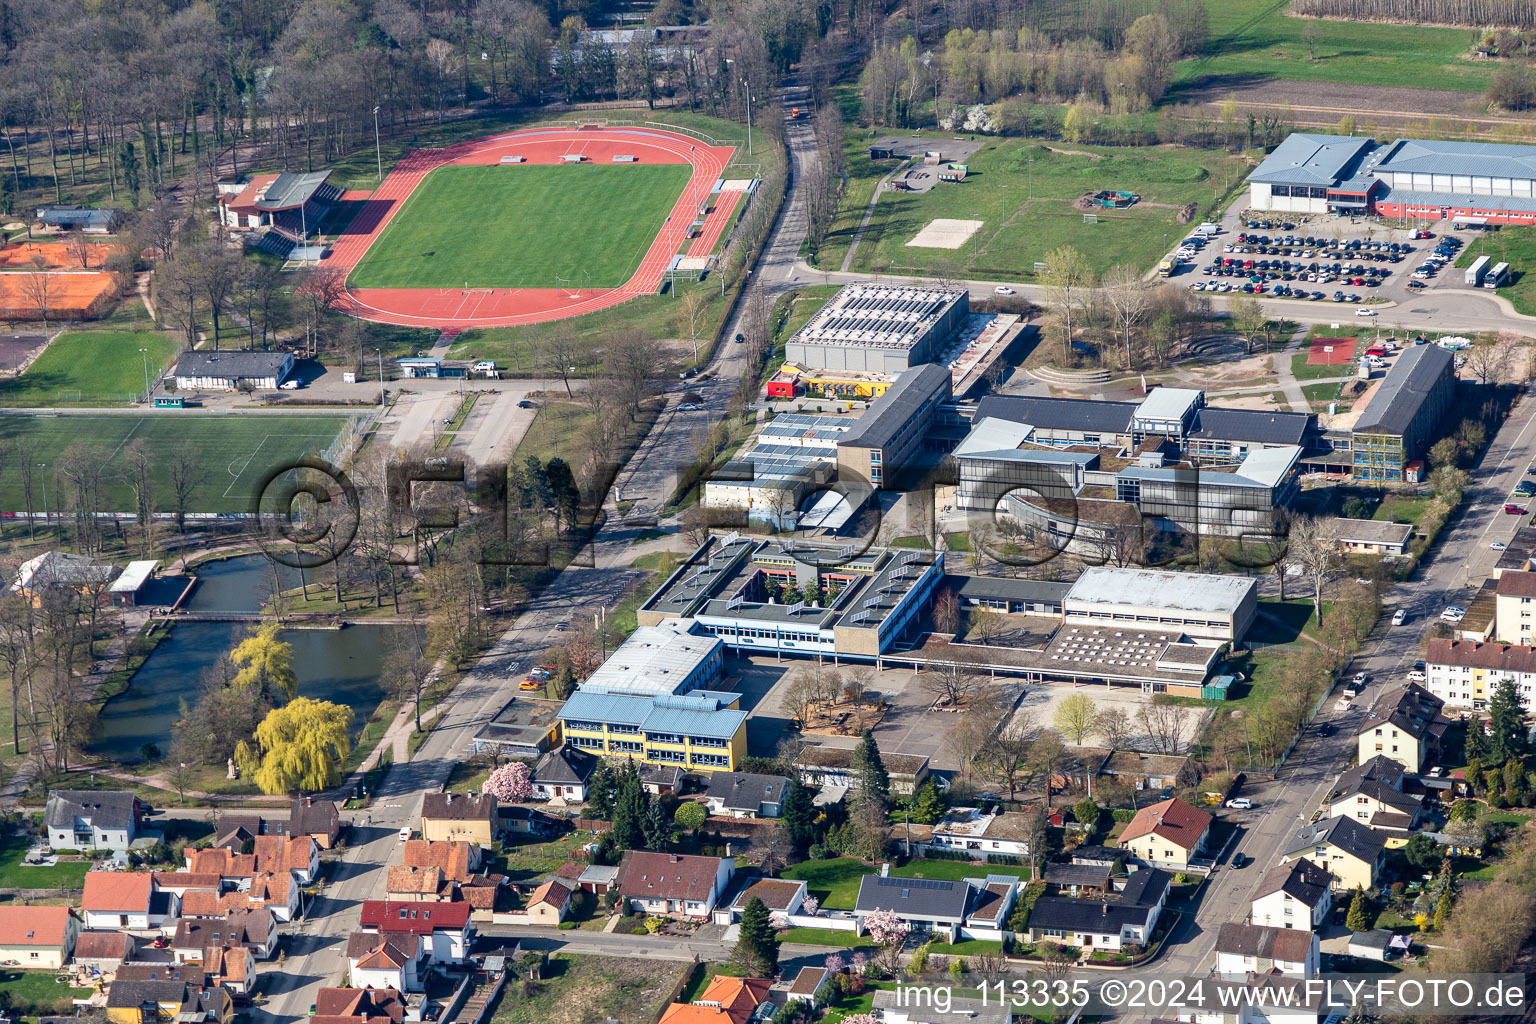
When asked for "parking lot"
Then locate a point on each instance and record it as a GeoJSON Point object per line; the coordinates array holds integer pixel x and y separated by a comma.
{"type": "Point", "coordinates": [1319, 258]}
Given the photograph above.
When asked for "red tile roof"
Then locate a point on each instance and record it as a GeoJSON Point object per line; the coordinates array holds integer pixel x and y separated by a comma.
{"type": "Point", "coordinates": [1517, 584]}
{"type": "Point", "coordinates": [389, 916]}
{"type": "Point", "coordinates": [724, 1001]}
{"type": "Point", "coordinates": [453, 859]}
{"type": "Point", "coordinates": [1173, 820]}
{"type": "Point", "coordinates": [34, 926]}
{"type": "Point", "coordinates": [117, 891]}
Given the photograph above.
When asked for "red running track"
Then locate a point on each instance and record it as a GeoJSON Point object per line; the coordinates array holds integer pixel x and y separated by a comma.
{"type": "Point", "coordinates": [509, 307]}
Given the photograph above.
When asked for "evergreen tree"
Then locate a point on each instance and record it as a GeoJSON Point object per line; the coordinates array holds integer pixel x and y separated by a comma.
{"type": "Point", "coordinates": [799, 814]}
{"type": "Point", "coordinates": [1509, 733]}
{"type": "Point", "coordinates": [657, 827]}
{"type": "Point", "coordinates": [928, 804]}
{"type": "Point", "coordinates": [1443, 910]}
{"type": "Point", "coordinates": [630, 806]}
{"type": "Point", "coordinates": [874, 780]}
{"type": "Point", "coordinates": [600, 789]}
{"type": "Point", "coordinates": [538, 495]}
{"type": "Point", "coordinates": [757, 948]}
{"type": "Point", "coordinates": [1358, 919]}
{"type": "Point", "coordinates": [565, 680]}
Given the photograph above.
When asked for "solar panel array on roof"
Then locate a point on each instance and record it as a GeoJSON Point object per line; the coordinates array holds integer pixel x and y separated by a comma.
{"type": "Point", "coordinates": [876, 316]}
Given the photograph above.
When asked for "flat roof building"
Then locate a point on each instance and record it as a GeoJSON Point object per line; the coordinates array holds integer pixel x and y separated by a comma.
{"type": "Point", "coordinates": [660, 659]}
{"type": "Point", "coordinates": [1370, 537]}
{"type": "Point", "coordinates": [526, 727]}
{"type": "Point", "coordinates": [878, 328]}
{"type": "Point", "coordinates": [1399, 423]}
{"type": "Point", "coordinates": [231, 371]}
{"type": "Point", "coordinates": [702, 731]}
{"type": "Point", "coordinates": [758, 594]}
{"type": "Point", "coordinates": [1200, 605]}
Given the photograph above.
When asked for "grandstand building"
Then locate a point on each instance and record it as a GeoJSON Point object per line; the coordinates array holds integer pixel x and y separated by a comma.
{"type": "Point", "coordinates": [279, 208]}
{"type": "Point", "coordinates": [1471, 183]}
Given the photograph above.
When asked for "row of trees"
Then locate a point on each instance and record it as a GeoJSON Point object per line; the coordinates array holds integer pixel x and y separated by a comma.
{"type": "Point", "coordinates": [1473, 13]}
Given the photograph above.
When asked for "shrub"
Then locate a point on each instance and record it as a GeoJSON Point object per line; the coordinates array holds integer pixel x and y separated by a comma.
{"type": "Point", "coordinates": [566, 926]}
{"type": "Point", "coordinates": [1122, 814]}
{"type": "Point", "coordinates": [819, 851]}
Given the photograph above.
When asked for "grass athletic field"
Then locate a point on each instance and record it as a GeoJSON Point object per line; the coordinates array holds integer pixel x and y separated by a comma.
{"type": "Point", "coordinates": [233, 453]}
{"type": "Point", "coordinates": [521, 225]}
{"type": "Point", "coordinates": [89, 368]}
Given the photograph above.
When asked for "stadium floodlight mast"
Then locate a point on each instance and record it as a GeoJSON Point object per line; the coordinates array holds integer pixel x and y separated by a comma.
{"type": "Point", "coordinates": [145, 353]}
{"type": "Point", "coordinates": [377, 152]}
{"type": "Point", "coordinates": [44, 466]}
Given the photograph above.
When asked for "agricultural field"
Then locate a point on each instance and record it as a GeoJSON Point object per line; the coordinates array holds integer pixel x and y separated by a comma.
{"type": "Point", "coordinates": [519, 226]}
{"type": "Point", "coordinates": [232, 454]}
{"type": "Point", "coordinates": [1037, 184]}
{"type": "Point", "coordinates": [90, 368]}
{"type": "Point", "coordinates": [1260, 40]}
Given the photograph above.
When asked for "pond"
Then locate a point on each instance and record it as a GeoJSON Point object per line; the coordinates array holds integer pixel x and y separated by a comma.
{"type": "Point", "coordinates": [343, 666]}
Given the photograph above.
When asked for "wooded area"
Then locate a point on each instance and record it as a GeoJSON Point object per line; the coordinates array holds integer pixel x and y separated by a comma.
{"type": "Point", "coordinates": [1472, 13]}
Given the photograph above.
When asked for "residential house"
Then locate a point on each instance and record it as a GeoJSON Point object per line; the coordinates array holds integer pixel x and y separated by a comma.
{"type": "Point", "coordinates": [38, 937]}
{"type": "Point", "coordinates": [470, 818]}
{"type": "Point", "coordinates": [237, 832]}
{"type": "Point", "coordinates": [183, 882]}
{"type": "Point", "coordinates": [83, 819]}
{"type": "Point", "coordinates": [297, 854]}
{"type": "Point", "coordinates": [102, 950]}
{"type": "Point", "coordinates": [951, 909]}
{"type": "Point", "coordinates": [1292, 895]}
{"type": "Point", "coordinates": [1145, 772]}
{"type": "Point", "coordinates": [1463, 673]}
{"type": "Point", "coordinates": [894, 1008]}
{"type": "Point", "coordinates": [320, 820]}
{"type": "Point", "coordinates": [1408, 727]}
{"type": "Point", "coordinates": [811, 985]}
{"type": "Point", "coordinates": [1252, 948]}
{"type": "Point", "coordinates": [1168, 834]}
{"type": "Point", "coordinates": [444, 927]}
{"type": "Point", "coordinates": [782, 897]}
{"type": "Point", "coordinates": [674, 884]}
{"type": "Point", "coordinates": [1351, 853]}
{"type": "Point", "coordinates": [147, 1001]}
{"type": "Point", "coordinates": [832, 768]}
{"type": "Point", "coordinates": [659, 779]}
{"type": "Point", "coordinates": [745, 795]}
{"type": "Point", "coordinates": [255, 930]}
{"type": "Point", "coordinates": [268, 879]}
{"type": "Point", "coordinates": [968, 829]}
{"type": "Point", "coordinates": [549, 903]}
{"type": "Point", "coordinates": [1372, 537]}
{"type": "Point", "coordinates": [1077, 880]}
{"type": "Point", "coordinates": [456, 865]}
{"type": "Point", "coordinates": [386, 961]}
{"type": "Point", "coordinates": [725, 1000]}
{"type": "Point", "coordinates": [457, 861]}
{"type": "Point", "coordinates": [126, 899]}
{"type": "Point", "coordinates": [562, 774]}
{"type": "Point", "coordinates": [423, 885]}
{"type": "Point", "coordinates": [359, 1006]}
{"type": "Point", "coordinates": [517, 820]}
{"type": "Point", "coordinates": [233, 966]}
{"type": "Point", "coordinates": [1113, 921]}
{"type": "Point", "coordinates": [1372, 793]}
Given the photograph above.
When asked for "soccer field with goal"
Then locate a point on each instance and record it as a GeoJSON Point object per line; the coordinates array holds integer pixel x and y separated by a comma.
{"type": "Point", "coordinates": [524, 226]}
{"type": "Point", "coordinates": [231, 454]}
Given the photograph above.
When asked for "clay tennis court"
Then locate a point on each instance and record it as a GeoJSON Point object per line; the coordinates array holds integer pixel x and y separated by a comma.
{"type": "Point", "coordinates": [72, 295]}
{"type": "Point", "coordinates": [460, 308]}
{"type": "Point", "coordinates": [1343, 352]}
{"type": "Point", "coordinates": [22, 254]}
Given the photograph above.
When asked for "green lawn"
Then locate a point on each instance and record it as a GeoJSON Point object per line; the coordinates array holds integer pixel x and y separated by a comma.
{"type": "Point", "coordinates": [90, 368]}
{"type": "Point", "coordinates": [835, 882]}
{"type": "Point", "coordinates": [1257, 39]}
{"type": "Point", "coordinates": [1517, 247]}
{"type": "Point", "coordinates": [1319, 396]}
{"type": "Point", "coordinates": [967, 947]}
{"type": "Point", "coordinates": [953, 870]}
{"type": "Point", "coordinates": [1013, 171]}
{"type": "Point", "coordinates": [591, 988]}
{"type": "Point", "coordinates": [233, 453]}
{"type": "Point", "coordinates": [823, 937]}
{"type": "Point", "coordinates": [519, 226]}
{"type": "Point", "coordinates": [36, 991]}
{"type": "Point", "coordinates": [1400, 508]}
{"type": "Point", "coordinates": [13, 875]}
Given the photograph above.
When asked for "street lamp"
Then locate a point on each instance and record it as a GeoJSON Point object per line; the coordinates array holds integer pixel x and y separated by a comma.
{"type": "Point", "coordinates": [377, 152]}
{"type": "Point", "coordinates": [44, 466]}
{"type": "Point", "coordinates": [749, 115]}
{"type": "Point", "coordinates": [145, 353]}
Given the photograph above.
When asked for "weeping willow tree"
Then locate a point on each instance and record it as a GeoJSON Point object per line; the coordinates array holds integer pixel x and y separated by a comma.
{"type": "Point", "coordinates": [299, 746]}
{"type": "Point", "coordinates": [266, 663]}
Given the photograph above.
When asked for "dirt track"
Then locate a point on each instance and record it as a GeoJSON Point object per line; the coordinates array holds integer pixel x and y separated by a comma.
{"type": "Point", "coordinates": [1386, 104]}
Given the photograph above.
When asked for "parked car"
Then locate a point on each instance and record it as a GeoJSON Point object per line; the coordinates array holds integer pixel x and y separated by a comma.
{"type": "Point", "coordinates": [1239, 860]}
{"type": "Point", "coordinates": [1003, 289]}
{"type": "Point", "coordinates": [1416, 676]}
{"type": "Point", "coordinates": [1361, 679]}
{"type": "Point", "coordinates": [530, 684]}
{"type": "Point", "coordinates": [1400, 616]}
{"type": "Point", "coordinates": [1499, 545]}
{"type": "Point", "coordinates": [405, 833]}
{"type": "Point", "coordinates": [688, 407]}
{"type": "Point", "coordinates": [1514, 510]}
{"type": "Point", "coordinates": [1240, 803]}
{"type": "Point", "coordinates": [1326, 729]}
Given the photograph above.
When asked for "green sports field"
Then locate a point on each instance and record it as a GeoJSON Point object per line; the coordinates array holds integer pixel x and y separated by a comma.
{"type": "Point", "coordinates": [90, 368]}
{"type": "Point", "coordinates": [521, 226]}
{"type": "Point", "coordinates": [233, 454]}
